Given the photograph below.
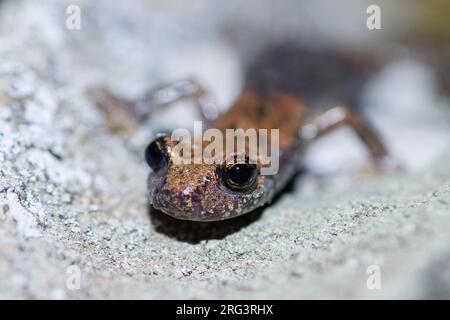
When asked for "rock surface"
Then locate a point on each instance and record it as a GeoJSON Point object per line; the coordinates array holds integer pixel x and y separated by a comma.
{"type": "Point", "coordinates": [73, 196]}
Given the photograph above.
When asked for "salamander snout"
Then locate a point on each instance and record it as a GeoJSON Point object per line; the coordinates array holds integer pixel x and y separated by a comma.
{"type": "Point", "coordinates": [202, 192]}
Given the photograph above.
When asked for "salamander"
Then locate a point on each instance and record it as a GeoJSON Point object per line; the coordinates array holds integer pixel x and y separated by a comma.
{"type": "Point", "coordinates": [303, 93]}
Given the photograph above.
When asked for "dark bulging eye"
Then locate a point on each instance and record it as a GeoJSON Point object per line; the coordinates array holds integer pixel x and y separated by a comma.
{"type": "Point", "coordinates": [155, 155]}
{"type": "Point", "coordinates": [240, 176]}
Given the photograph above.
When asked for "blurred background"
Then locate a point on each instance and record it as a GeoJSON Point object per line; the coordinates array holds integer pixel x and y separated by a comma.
{"type": "Point", "coordinates": [131, 46]}
{"type": "Point", "coordinates": [79, 191]}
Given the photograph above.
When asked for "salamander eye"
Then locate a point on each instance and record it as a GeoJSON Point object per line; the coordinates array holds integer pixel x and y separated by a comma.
{"type": "Point", "coordinates": [240, 176]}
{"type": "Point", "coordinates": [155, 155]}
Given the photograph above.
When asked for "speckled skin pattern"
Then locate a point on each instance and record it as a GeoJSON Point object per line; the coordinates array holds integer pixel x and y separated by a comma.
{"type": "Point", "coordinates": [197, 192]}
{"type": "Point", "coordinates": [283, 88]}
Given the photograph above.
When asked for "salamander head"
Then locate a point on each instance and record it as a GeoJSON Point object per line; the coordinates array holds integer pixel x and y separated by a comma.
{"type": "Point", "coordinates": [203, 192]}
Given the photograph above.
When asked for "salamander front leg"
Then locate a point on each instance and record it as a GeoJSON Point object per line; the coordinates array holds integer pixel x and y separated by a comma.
{"type": "Point", "coordinates": [121, 112]}
{"type": "Point", "coordinates": [179, 90]}
{"type": "Point", "coordinates": [343, 116]}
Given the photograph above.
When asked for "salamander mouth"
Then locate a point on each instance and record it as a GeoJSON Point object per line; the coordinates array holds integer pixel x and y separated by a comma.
{"type": "Point", "coordinates": [222, 203]}
{"type": "Point", "coordinates": [170, 204]}
{"type": "Point", "coordinates": [162, 202]}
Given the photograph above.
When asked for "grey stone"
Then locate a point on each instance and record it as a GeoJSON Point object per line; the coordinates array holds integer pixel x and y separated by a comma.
{"type": "Point", "coordinates": [73, 194]}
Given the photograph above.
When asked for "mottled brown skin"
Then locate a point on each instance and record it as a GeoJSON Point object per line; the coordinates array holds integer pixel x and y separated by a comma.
{"type": "Point", "coordinates": [280, 110]}
{"type": "Point", "coordinates": [282, 91]}
{"type": "Point", "coordinates": [196, 191]}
